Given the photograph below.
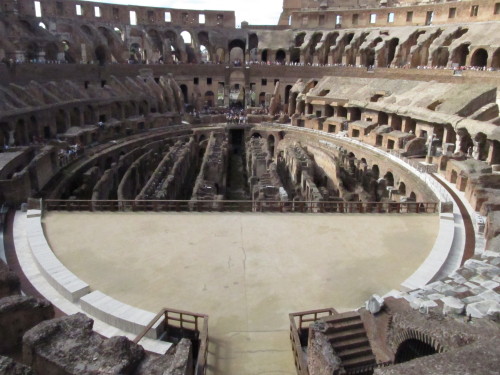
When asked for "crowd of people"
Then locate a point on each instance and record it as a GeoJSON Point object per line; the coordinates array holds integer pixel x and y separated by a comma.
{"type": "Point", "coordinates": [66, 155]}
{"type": "Point", "coordinates": [239, 63]}
{"type": "Point", "coordinates": [236, 116]}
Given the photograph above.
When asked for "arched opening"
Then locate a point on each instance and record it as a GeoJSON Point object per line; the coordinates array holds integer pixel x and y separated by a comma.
{"type": "Point", "coordinates": [391, 50]}
{"type": "Point", "coordinates": [61, 125]}
{"type": "Point", "coordinates": [495, 61]}
{"type": "Point", "coordinates": [237, 96]}
{"type": "Point", "coordinates": [402, 188]}
{"type": "Point", "coordinates": [454, 177]}
{"type": "Point", "coordinates": [440, 56]}
{"type": "Point", "coordinates": [75, 117]}
{"type": "Point", "coordinates": [411, 349]}
{"type": "Point", "coordinates": [33, 129]}
{"type": "Point", "coordinates": [118, 32]}
{"type": "Point", "coordinates": [101, 54]}
{"type": "Point", "coordinates": [331, 40]}
{"type": "Point", "coordinates": [171, 46]}
{"type": "Point", "coordinates": [135, 52]}
{"type": "Point", "coordinates": [312, 47]}
{"type": "Point", "coordinates": [383, 118]}
{"type": "Point", "coordinates": [68, 55]}
{"type": "Point", "coordinates": [413, 197]}
{"type": "Point", "coordinates": [20, 132]}
{"type": "Point", "coordinates": [189, 45]}
{"type": "Point", "coordinates": [220, 55]}
{"type": "Point", "coordinates": [204, 54]}
{"type": "Point", "coordinates": [299, 39]}
{"type": "Point", "coordinates": [369, 57]}
{"type": "Point", "coordinates": [253, 46]}
{"type": "Point", "coordinates": [280, 56]}
{"type": "Point", "coordinates": [287, 93]}
{"type": "Point", "coordinates": [460, 54]}
{"type": "Point", "coordinates": [295, 55]}
{"type": "Point", "coordinates": [263, 56]}
{"type": "Point", "coordinates": [143, 108]}
{"type": "Point", "coordinates": [256, 135]}
{"type": "Point", "coordinates": [262, 99]}
{"type": "Point", "coordinates": [209, 99]}
{"type": "Point", "coordinates": [186, 37]}
{"type": "Point", "coordinates": [270, 144]}
{"type": "Point", "coordinates": [87, 30]}
{"type": "Point", "coordinates": [51, 52]}
{"type": "Point", "coordinates": [375, 171]}
{"type": "Point", "coordinates": [389, 178]}
{"type": "Point", "coordinates": [355, 113]}
{"type": "Point", "coordinates": [157, 44]}
{"type": "Point", "coordinates": [236, 50]}
{"type": "Point", "coordinates": [184, 90]}
{"type": "Point", "coordinates": [479, 58]}
{"type": "Point", "coordinates": [32, 51]}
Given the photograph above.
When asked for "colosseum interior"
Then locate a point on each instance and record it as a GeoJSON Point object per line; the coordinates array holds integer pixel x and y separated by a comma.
{"type": "Point", "coordinates": [182, 196]}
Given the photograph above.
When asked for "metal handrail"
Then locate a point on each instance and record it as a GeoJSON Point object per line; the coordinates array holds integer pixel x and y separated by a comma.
{"type": "Point", "coordinates": [240, 206]}
{"type": "Point", "coordinates": [192, 319]}
{"type": "Point", "coordinates": [299, 357]}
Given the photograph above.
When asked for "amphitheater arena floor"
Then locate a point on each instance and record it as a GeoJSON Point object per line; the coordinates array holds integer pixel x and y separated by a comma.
{"type": "Point", "coordinates": [246, 271]}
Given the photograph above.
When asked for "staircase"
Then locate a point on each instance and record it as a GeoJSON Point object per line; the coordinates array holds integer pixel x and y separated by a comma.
{"type": "Point", "coordinates": [348, 338]}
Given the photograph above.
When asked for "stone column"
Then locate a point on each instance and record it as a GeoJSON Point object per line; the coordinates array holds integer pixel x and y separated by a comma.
{"type": "Point", "coordinates": [493, 152]}
{"type": "Point", "coordinates": [458, 141]}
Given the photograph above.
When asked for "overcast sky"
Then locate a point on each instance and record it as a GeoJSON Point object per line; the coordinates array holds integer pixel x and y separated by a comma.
{"type": "Point", "coordinates": [256, 12]}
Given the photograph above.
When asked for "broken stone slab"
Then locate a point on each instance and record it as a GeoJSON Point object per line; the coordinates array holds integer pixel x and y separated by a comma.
{"type": "Point", "coordinates": [481, 267]}
{"type": "Point", "coordinates": [483, 309]}
{"type": "Point", "coordinates": [490, 295]}
{"type": "Point", "coordinates": [426, 306]}
{"type": "Point", "coordinates": [490, 284]}
{"type": "Point", "coordinates": [452, 305]}
{"type": "Point", "coordinates": [471, 299]}
{"type": "Point", "coordinates": [443, 288]}
{"type": "Point", "coordinates": [435, 296]}
{"type": "Point", "coordinates": [17, 315]}
{"type": "Point", "coordinates": [459, 279]}
{"type": "Point", "coordinates": [182, 361]}
{"type": "Point", "coordinates": [489, 254]}
{"type": "Point", "coordinates": [11, 367]}
{"type": "Point", "coordinates": [374, 304]}
{"type": "Point", "coordinates": [69, 346]}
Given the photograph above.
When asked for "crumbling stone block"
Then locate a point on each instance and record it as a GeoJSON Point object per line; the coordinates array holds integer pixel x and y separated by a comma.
{"type": "Point", "coordinates": [321, 359]}
{"type": "Point", "coordinates": [9, 282]}
{"type": "Point", "coordinates": [182, 361]}
{"type": "Point", "coordinates": [11, 367]}
{"type": "Point", "coordinates": [17, 315]}
{"type": "Point", "coordinates": [68, 345]}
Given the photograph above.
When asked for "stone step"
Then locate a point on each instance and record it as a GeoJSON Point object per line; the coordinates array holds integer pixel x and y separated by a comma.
{"type": "Point", "coordinates": [351, 343]}
{"type": "Point", "coordinates": [355, 352]}
{"type": "Point", "coordinates": [346, 335]}
{"type": "Point", "coordinates": [350, 315]}
{"type": "Point", "coordinates": [345, 326]}
{"type": "Point", "coordinates": [359, 361]}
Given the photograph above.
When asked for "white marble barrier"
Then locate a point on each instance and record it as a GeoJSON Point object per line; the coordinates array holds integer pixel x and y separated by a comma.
{"type": "Point", "coordinates": [61, 279]}
{"type": "Point", "coordinates": [437, 257]}
{"type": "Point", "coordinates": [120, 315]}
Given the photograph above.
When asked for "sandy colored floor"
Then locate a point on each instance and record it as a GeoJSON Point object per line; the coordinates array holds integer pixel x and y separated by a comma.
{"type": "Point", "coordinates": [246, 271]}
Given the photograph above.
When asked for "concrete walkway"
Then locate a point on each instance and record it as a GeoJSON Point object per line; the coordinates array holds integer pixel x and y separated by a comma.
{"type": "Point", "coordinates": [246, 271]}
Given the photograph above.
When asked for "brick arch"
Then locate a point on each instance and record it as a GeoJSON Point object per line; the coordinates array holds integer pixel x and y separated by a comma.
{"type": "Point", "coordinates": [410, 333]}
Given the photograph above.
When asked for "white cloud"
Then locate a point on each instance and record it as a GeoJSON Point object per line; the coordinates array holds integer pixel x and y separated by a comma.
{"type": "Point", "coordinates": [256, 12]}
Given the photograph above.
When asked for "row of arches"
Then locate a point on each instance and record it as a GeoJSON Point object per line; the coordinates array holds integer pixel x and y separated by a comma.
{"type": "Point", "coordinates": [336, 47]}
{"type": "Point", "coordinates": [47, 125]}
